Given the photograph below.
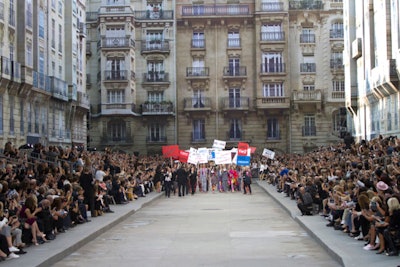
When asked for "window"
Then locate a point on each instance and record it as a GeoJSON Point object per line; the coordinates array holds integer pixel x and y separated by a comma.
{"type": "Point", "coordinates": [198, 100]}
{"type": "Point", "coordinates": [338, 85]}
{"type": "Point", "coordinates": [60, 39]}
{"type": "Point", "coordinates": [273, 128]}
{"type": "Point", "coordinates": [198, 67]}
{"type": "Point", "coordinates": [117, 131]}
{"type": "Point", "coordinates": [233, 39]}
{"type": "Point", "coordinates": [272, 62]}
{"type": "Point", "coordinates": [115, 69]}
{"type": "Point", "coordinates": [36, 110]}
{"type": "Point", "coordinates": [339, 121]}
{"type": "Point", "coordinates": [336, 60]}
{"type": "Point", "coordinates": [156, 132]}
{"type": "Point", "coordinates": [41, 23]}
{"type": "Point", "coordinates": [388, 114]}
{"type": "Point", "coordinates": [198, 40]}
{"type": "Point", "coordinates": [308, 87]}
{"type": "Point", "coordinates": [60, 7]}
{"type": "Point", "coordinates": [11, 101]}
{"type": "Point", "coordinates": [273, 90]}
{"type": "Point", "coordinates": [53, 4]}
{"type": "Point", "coordinates": [115, 31]}
{"type": "Point", "coordinates": [53, 34]}
{"type": "Point", "coordinates": [22, 117]}
{"type": "Point", "coordinates": [234, 98]}
{"type": "Point", "coordinates": [234, 67]}
{"type": "Point", "coordinates": [29, 113]}
{"type": "Point", "coordinates": [235, 130]}
{"type": "Point", "coordinates": [115, 96]}
{"type": "Point", "coordinates": [29, 58]}
{"type": "Point", "coordinates": [155, 97]}
{"type": "Point", "coordinates": [155, 71]}
{"type": "Point", "coordinates": [336, 31]}
{"type": "Point", "coordinates": [272, 32]}
{"type": "Point", "coordinates": [29, 9]}
{"type": "Point", "coordinates": [307, 36]}
{"type": "Point", "coordinates": [41, 70]}
{"type": "Point", "coordinates": [44, 120]}
{"type": "Point", "coordinates": [309, 125]}
{"type": "Point", "coordinates": [12, 13]}
{"type": "Point", "coordinates": [308, 64]}
{"type": "Point", "coordinates": [199, 131]}
{"type": "Point", "coordinates": [154, 39]}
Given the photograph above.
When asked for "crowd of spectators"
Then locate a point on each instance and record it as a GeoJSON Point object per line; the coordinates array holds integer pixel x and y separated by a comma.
{"type": "Point", "coordinates": [44, 191]}
{"type": "Point", "coordinates": [354, 186]}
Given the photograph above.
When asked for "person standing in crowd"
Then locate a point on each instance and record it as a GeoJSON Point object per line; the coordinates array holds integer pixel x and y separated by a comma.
{"type": "Point", "coordinates": [167, 182]}
{"type": "Point", "coordinates": [214, 180]}
{"type": "Point", "coordinates": [193, 179]}
{"type": "Point", "coordinates": [224, 180]}
{"type": "Point", "coordinates": [203, 173]}
{"type": "Point", "coordinates": [87, 182]}
{"type": "Point", "coordinates": [246, 181]}
{"type": "Point", "coordinates": [181, 175]}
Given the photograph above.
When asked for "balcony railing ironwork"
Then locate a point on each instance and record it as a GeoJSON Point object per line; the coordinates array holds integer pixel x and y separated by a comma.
{"type": "Point", "coordinates": [235, 71]}
{"type": "Point", "coordinates": [273, 67]}
{"type": "Point", "coordinates": [197, 71]}
{"type": "Point", "coordinates": [272, 6]}
{"type": "Point", "coordinates": [308, 67]}
{"type": "Point", "coordinates": [273, 36]}
{"type": "Point", "coordinates": [216, 10]}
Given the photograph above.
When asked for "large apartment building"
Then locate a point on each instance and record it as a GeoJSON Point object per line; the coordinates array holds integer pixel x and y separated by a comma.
{"type": "Point", "coordinates": [265, 72]}
{"type": "Point", "coordinates": [161, 72]}
{"type": "Point", "coordinates": [42, 72]}
{"type": "Point", "coordinates": [372, 52]}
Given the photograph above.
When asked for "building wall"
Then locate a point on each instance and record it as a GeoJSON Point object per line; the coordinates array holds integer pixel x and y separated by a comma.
{"type": "Point", "coordinates": [36, 106]}
{"type": "Point", "coordinates": [372, 87]}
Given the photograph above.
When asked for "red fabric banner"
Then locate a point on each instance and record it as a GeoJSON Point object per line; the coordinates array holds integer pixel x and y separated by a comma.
{"type": "Point", "coordinates": [183, 156]}
{"type": "Point", "coordinates": [170, 151]}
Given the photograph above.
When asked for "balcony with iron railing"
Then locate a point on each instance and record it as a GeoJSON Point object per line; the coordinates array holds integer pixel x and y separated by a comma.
{"type": "Point", "coordinates": [117, 42]}
{"type": "Point", "coordinates": [157, 108]}
{"type": "Point", "coordinates": [116, 75]}
{"type": "Point", "coordinates": [152, 46]}
{"type": "Point", "coordinates": [156, 77]}
{"type": "Point", "coordinates": [308, 38]}
{"type": "Point", "coordinates": [306, 5]}
{"type": "Point", "coordinates": [154, 14]}
{"type": "Point", "coordinates": [57, 87]}
{"type": "Point", "coordinates": [337, 96]}
{"type": "Point", "coordinates": [238, 103]}
{"type": "Point", "coordinates": [273, 102]}
{"type": "Point", "coordinates": [112, 106]}
{"type": "Point", "coordinates": [196, 104]}
{"type": "Point", "coordinates": [238, 71]}
{"type": "Point", "coordinates": [107, 11]}
{"type": "Point", "coordinates": [216, 10]}
{"type": "Point", "coordinates": [308, 67]}
{"type": "Point", "coordinates": [307, 96]}
{"type": "Point", "coordinates": [83, 100]}
{"type": "Point", "coordinates": [268, 68]}
{"type": "Point", "coordinates": [198, 43]}
{"type": "Point", "coordinates": [309, 130]}
{"type": "Point", "coordinates": [156, 139]}
{"type": "Point", "coordinates": [336, 34]}
{"type": "Point", "coordinates": [197, 72]}
{"type": "Point", "coordinates": [273, 36]}
{"type": "Point", "coordinates": [272, 6]}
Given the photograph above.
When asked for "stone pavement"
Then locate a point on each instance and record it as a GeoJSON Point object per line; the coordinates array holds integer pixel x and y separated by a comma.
{"type": "Point", "coordinates": [342, 248]}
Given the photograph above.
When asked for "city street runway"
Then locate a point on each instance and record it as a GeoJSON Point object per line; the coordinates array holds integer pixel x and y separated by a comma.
{"type": "Point", "coordinates": [206, 229]}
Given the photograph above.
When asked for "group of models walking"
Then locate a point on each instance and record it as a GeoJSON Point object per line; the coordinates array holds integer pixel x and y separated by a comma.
{"type": "Point", "coordinates": [187, 179]}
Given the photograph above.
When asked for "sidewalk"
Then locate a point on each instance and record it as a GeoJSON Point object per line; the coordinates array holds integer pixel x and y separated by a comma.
{"type": "Point", "coordinates": [67, 243]}
{"type": "Point", "coordinates": [346, 250]}
{"type": "Point", "coordinates": [342, 248]}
